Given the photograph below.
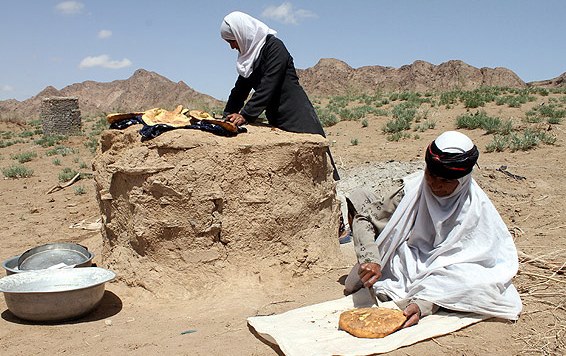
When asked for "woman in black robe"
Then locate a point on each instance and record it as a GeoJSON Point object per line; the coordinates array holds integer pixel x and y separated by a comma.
{"type": "Point", "coordinates": [265, 65]}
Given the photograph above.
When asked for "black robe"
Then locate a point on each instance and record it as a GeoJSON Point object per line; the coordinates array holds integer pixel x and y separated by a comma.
{"type": "Point", "coordinates": [277, 91]}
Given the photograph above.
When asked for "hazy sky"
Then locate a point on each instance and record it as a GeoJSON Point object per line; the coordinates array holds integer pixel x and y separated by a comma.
{"type": "Point", "coordinates": [59, 43]}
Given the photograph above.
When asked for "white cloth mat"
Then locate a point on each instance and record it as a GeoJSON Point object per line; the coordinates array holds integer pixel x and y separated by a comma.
{"type": "Point", "coordinates": [313, 330]}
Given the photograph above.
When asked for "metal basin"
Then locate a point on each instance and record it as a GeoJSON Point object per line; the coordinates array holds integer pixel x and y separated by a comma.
{"type": "Point", "coordinates": [11, 265]}
{"type": "Point", "coordinates": [55, 295]}
{"type": "Point", "coordinates": [55, 254]}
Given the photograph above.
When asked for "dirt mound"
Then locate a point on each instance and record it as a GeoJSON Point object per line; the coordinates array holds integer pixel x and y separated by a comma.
{"type": "Point", "coordinates": [334, 77]}
{"type": "Point", "coordinates": [190, 210]}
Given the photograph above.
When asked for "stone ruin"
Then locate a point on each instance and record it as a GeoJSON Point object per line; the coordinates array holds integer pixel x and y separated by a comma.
{"type": "Point", "coordinates": [60, 116]}
{"type": "Point", "coordinates": [189, 210]}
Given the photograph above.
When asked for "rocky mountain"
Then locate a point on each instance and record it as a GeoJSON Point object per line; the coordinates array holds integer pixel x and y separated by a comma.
{"type": "Point", "coordinates": [142, 91]}
{"type": "Point", "coordinates": [334, 77]}
{"type": "Point", "coordinates": [559, 81]}
{"type": "Point", "coordinates": [328, 77]}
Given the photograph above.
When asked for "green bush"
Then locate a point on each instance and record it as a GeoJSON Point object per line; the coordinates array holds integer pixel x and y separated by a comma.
{"type": "Point", "coordinates": [100, 125]}
{"type": "Point", "coordinates": [60, 150]}
{"type": "Point", "coordinates": [26, 134]}
{"type": "Point", "coordinates": [428, 124]}
{"type": "Point", "coordinates": [506, 127]}
{"type": "Point", "coordinates": [479, 120]}
{"type": "Point", "coordinates": [512, 101]}
{"type": "Point", "coordinates": [91, 143]}
{"type": "Point", "coordinates": [17, 171]}
{"type": "Point", "coordinates": [67, 174]}
{"type": "Point", "coordinates": [396, 125]}
{"type": "Point", "coordinates": [79, 190]}
{"type": "Point", "coordinates": [449, 98]}
{"type": "Point", "coordinates": [396, 136]}
{"type": "Point", "coordinates": [36, 123]}
{"type": "Point", "coordinates": [473, 101]}
{"type": "Point", "coordinates": [405, 112]}
{"type": "Point", "coordinates": [6, 135]}
{"type": "Point", "coordinates": [551, 113]}
{"type": "Point", "coordinates": [499, 144]}
{"type": "Point", "coordinates": [9, 143]}
{"type": "Point", "coordinates": [326, 117]}
{"type": "Point", "coordinates": [24, 156]}
{"type": "Point", "coordinates": [50, 140]}
{"type": "Point", "coordinates": [529, 139]}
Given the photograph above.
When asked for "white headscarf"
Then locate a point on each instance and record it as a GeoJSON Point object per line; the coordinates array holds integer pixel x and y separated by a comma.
{"type": "Point", "coordinates": [454, 251]}
{"type": "Point", "coordinates": [250, 35]}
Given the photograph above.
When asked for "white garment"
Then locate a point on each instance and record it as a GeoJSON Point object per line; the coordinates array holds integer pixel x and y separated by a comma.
{"type": "Point", "coordinates": [250, 34]}
{"type": "Point", "coordinates": [454, 251]}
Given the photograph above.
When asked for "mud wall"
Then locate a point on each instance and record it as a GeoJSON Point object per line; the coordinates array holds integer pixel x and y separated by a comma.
{"type": "Point", "coordinates": [188, 209]}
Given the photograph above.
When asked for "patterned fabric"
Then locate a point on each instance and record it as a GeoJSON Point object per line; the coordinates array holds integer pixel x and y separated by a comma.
{"type": "Point", "coordinates": [371, 213]}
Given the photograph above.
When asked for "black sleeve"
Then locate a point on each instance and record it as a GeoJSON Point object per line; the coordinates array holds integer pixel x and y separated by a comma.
{"type": "Point", "coordinates": [238, 96]}
{"type": "Point", "coordinates": [274, 66]}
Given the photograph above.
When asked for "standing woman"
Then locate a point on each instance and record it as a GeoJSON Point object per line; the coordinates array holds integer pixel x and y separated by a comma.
{"type": "Point", "coordinates": [265, 65]}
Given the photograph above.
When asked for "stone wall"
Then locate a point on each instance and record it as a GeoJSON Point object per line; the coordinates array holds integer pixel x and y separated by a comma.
{"type": "Point", "coordinates": [60, 116]}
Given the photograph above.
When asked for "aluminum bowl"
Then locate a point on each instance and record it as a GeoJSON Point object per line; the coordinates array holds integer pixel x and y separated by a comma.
{"type": "Point", "coordinates": [11, 265]}
{"type": "Point", "coordinates": [54, 254]}
{"type": "Point", "coordinates": [55, 295]}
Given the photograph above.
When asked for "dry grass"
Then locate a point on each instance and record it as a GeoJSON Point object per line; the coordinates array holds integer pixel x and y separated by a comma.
{"type": "Point", "coordinates": [542, 285]}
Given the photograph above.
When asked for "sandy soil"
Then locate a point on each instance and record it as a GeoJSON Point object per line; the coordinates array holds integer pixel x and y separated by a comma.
{"type": "Point", "coordinates": [132, 321]}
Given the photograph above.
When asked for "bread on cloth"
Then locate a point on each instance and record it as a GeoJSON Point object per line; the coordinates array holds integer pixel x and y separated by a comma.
{"type": "Point", "coordinates": [175, 118]}
{"type": "Point", "coordinates": [115, 117]}
{"type": "Point", "coordinates": [199, 115]}
{"type": "Point", "coordinates": [371, 322]}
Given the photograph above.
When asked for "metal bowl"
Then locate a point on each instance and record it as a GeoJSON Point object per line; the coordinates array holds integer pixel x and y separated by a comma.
{"type": "Point", "coordinates": [11, 265]}
{"type": "Point", "coordinates": [54, 254]}
{"type": "Point", "coordinates": [55, 295]}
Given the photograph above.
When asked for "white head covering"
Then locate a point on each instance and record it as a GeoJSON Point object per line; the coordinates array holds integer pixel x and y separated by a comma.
{"type": "Point", "coordinates": [454, 142]}
{"type": "Point", "coordinates": [250, 35]}
{"type": "Point", "coordinates": [454, 251]}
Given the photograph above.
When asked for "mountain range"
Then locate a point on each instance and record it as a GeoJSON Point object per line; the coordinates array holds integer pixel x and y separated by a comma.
{"type": "Point", "coordinates": [329, 77]}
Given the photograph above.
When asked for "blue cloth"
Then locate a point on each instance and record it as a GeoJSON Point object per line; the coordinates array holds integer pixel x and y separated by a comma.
{"type": "Point", "coordinates": [151, 131]}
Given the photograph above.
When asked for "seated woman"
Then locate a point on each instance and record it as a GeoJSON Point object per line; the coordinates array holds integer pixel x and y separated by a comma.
{"type": "Point", "coordinates": [437, 241]}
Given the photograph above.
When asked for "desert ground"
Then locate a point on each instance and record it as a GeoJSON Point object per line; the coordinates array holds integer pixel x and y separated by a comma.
{"type": "Point", "coordinates": [133, 321]}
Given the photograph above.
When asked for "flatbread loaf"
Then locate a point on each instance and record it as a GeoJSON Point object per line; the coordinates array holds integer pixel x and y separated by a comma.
{"type": "Point", "coordinates": [199, 115]}
{"type": "Point", "coordinates": [161, 116]}
{"type": "Point", "coordinates": [115, 117]}
{"type": "Point", "coordinates": [371, 322]}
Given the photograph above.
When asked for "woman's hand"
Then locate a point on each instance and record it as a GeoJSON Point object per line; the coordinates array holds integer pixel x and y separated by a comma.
{"type": "Point", "coordinates": [236, 119]}
{"type": "Point", "coordinates": [369, 273]}
{"type": "Point", "coordinates": [413, 314]}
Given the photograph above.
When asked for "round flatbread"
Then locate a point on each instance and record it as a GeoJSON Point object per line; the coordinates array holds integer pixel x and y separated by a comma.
{"type": "Point", "coordinates": [161, 116]}
{"type": "Point", "coordinates": [115, 117]}
{"type": "Point", "coordinates": [371, 322]}
{"type": "Point", "coordinates": [200, 115]}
